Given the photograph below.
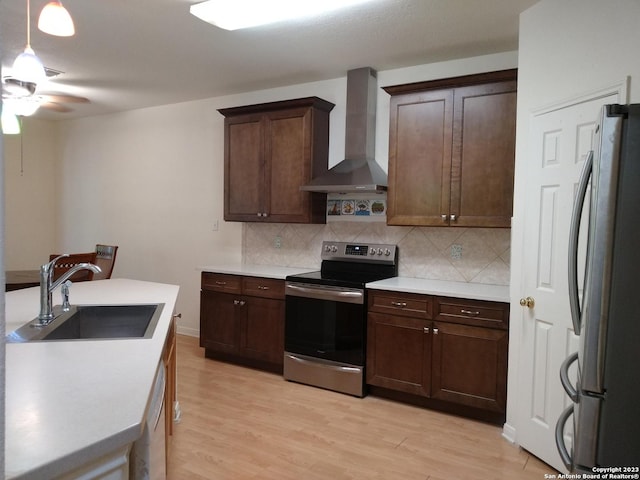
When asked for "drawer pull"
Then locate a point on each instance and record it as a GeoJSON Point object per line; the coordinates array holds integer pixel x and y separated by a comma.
{"type": "Point", "coordinates": [262, 287]}
{"type": "Point", "coordinates": [399, 304]}
{"type": "Point", "coordinates": [426, 329]}
{"type": "Point", "coordinates": [222, 284]}
{"type": "Point", "coordinates": [435, 331]}
{"type": "Point", "coordinates": [469, 312]}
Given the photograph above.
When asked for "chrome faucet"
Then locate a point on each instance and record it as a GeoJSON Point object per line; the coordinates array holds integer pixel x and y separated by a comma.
{"type": "Point", "coordinates": [47, 285]}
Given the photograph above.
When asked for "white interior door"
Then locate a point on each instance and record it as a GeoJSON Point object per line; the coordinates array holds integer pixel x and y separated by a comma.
{"type": "Point", "coordinates": [560, 140]}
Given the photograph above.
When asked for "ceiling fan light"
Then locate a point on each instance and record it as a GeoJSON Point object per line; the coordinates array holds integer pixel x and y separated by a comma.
{"type": "Point", "coordinates": [10, 123]}
{"type": "Point", "coordinates": [22, 106]}
{"type": "Point", "coordinates": [27, 67]}
{"type": "Point", "coordinates": [55, 20]}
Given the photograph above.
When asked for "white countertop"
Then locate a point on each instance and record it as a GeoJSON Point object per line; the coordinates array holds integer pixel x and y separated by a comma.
{"type": "Point", "coordinates": [472, 291]}
{"type": "Point", "coordinates": [265, 271]}
{"type": "Point", "coordinates": [68, 402]}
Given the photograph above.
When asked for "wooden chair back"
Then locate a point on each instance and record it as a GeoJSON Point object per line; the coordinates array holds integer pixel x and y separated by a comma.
{"type": "Point", "coordinates": [105, 259]}
{"type": "Point", "coordinates": [67, 263]}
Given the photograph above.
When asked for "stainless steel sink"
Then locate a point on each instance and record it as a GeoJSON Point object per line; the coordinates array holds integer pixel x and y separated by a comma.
{"type": "Point", "coordinates": [87, 322]}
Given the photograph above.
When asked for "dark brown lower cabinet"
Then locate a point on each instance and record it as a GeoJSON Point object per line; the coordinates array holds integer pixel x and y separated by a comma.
{"type": "Point", "coordinates": [219, 324]}
{"type": "Point", "coordinates": [448, 365]}
{"type": "Point", "coordinates": [262, 330]}
{"type": "Point", "coordinates": [398, 354]}
{"type": "Point", "coordinates": [469, 365]}
{"type": "Point", "coordinates": [246, 326]}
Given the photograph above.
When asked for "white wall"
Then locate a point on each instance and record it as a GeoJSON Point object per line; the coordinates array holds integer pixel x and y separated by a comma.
{"type": "Point", "coordinates": [30, 208]}
{"type": "Point", "coordinates": [151, 180]}
{"type": "Point", "coordinates": [568, 48]}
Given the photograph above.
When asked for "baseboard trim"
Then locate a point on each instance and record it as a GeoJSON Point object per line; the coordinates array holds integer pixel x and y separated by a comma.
{"type": "Point", "coordinates": [509, 433]}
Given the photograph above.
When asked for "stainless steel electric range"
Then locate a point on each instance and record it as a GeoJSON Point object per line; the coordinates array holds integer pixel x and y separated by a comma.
{"type": "Point", "coordinates": [325, 320]}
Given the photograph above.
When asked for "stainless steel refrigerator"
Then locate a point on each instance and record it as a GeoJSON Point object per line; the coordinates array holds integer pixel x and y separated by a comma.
{"type": "Point", "coordinates": [605, 403]}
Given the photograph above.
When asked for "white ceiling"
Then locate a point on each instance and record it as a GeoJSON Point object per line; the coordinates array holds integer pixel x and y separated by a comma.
{"type": "Point", "coordinates": [135, 53]}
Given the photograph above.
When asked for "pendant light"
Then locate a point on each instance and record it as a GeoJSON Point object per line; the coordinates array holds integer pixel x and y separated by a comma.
{"type": "Point", "coordinates": [55, 20]}
{"type": "Point", "coordinates": [27, 67]}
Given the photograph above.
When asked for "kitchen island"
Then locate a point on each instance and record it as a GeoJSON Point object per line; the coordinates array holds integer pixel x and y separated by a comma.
{"type": "Point", "coordinates": [73, 404]}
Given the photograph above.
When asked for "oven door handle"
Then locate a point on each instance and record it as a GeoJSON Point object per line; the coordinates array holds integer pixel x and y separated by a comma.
{"type": "Point", "coordinates": [343, 295]}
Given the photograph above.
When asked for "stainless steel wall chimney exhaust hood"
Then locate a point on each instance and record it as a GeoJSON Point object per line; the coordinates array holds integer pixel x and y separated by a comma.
{"type": "Point", "coordinates": [359, 171]}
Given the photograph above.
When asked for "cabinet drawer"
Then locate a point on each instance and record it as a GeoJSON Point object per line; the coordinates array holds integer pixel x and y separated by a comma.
{"type": "Point", "coordinates": [472, 312]}
{"type": "Point", "coordinates": [221, 282]}
{"type": "Point", "coordinates": [404, 304]}
{"type": "Point", "coordinates": [263, 287]}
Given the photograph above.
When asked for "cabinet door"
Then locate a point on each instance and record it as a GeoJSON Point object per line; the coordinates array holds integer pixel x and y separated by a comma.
{"type": "Point", "coordinates": [288, 161]}
{"type": "Point", "coordinates": [244, 169]}
{"type": "Point", "coordinates": [399, 353]}
{"type": "Point", "coordinates": [470, 366]}
{"type": "Point", "coordinates": [219, 329]}
{"type": "Point", "coordinates": [484, 135]}
{"type": "Point", "coordinates": [262, 329]}
{"type": "Point", "coordinates": [420, 139]}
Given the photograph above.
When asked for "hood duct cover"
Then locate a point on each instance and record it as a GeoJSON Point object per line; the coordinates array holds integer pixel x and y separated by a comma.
{"type": "Point", "coordinates": [359, 171]}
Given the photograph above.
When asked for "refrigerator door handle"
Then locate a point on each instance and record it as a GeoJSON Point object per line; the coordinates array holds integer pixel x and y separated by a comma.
{"type": "Point", "coordinates": [564, 377]}
{"type": "Point", "coordinates": [562, 448]}
{"type": "Point", "coordinates": [574, 232]}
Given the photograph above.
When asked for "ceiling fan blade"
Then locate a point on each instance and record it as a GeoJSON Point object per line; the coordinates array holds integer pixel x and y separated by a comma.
{"type": "Point", "coordinates": [62, 98]}
{"type": "Point", "coordinates": [56, 107]}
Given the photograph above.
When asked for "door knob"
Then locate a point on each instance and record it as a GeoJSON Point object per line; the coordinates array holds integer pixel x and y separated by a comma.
{"type": "Point", "coordinates": [528, 302]}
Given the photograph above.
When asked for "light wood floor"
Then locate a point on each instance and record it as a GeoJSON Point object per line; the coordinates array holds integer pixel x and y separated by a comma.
{"type": "Point", "coordinates": [239, 423]}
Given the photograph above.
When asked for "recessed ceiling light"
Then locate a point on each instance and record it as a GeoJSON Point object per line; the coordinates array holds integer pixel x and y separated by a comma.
{"type": "Point", "coordinates": [236, 14]}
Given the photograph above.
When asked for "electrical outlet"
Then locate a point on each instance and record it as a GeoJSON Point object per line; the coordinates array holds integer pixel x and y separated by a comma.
{"type": "Point", "coordinates": [456, 251]}
{"type": "Point", "coordinates": [277, 243]}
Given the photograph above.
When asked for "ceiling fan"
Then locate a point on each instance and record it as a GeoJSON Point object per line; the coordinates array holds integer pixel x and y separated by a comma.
{"type": "Point", "coordinates": [25, 99]}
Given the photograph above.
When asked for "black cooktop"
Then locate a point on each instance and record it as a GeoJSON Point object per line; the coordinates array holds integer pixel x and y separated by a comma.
{"type": "Point", "coordinates": [348, 279]}
{"type": "Point", "coordinates": [352, 265]}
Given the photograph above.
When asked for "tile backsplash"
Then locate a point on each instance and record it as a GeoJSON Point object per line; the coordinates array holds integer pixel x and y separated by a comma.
{"type": "Point", "coordinates": [478, 255]}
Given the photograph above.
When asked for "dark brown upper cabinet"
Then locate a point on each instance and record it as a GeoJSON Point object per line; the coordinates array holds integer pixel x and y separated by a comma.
{"type": "Point", "coordinates": [270, 150]}
{"type": "Point", "coordinates": [452, 151]}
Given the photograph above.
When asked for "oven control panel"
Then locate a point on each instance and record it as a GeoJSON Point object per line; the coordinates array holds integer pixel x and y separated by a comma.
{"type": "Point", "coordinates": [372, 253]}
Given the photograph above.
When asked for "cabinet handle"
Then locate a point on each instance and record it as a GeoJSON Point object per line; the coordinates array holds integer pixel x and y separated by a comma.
{"type": "Point", "coordinates": [426, 329]}
{"type": "Point", "coordinates": [444, 217]}
{"type": "Point", "coordinates": [239, 302]}
{"type": "Point", "coordinates": [263, 287]}
{"type": "Point", "coordinates": [453, 218]}
{"type": "Point", "coordinates": [435, 331]}
{"type": "Point", "coordinates": [399, 304]}
{"type": "Point", "coordinates": [470, 313]}
{"type": "Point", "coordinates": [242, 302]}
{"type": "Point", "coordinates": [222, 284]}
